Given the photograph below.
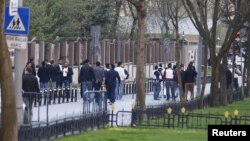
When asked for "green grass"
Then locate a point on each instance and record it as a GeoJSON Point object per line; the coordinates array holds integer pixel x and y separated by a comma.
{"type": "Point", "coordinates": [159, 134]}
{"type": "Point", "coordinates": [132, 134]}
{"type": "Point", "coordinates": [242, 106]}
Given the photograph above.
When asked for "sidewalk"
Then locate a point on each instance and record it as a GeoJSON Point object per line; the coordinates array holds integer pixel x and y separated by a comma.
{"type": "Point", "coordinates": [58, 111]}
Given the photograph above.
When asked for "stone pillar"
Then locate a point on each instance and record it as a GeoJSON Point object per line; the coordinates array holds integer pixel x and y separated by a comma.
{"type": "Point", "coordinates": [71, 48]}
{"type": "Point", "coordinates": [64, 50]}
{"type": "Point", "coordinates": [157, 48]}
{"type": "Point", "coordinates": [32, 51]}
{"type": "Point", "coordinates": [78, 53]}
{"type": "Point", "coordinates": [49, 51]}
{"type": "Point", "coordinates": [41, 52]}
{"type": "Point", "coordinates": [57, 50]}
{"type": "Point", "coordinates": [84, 50]}
{"type": "Point", "coordinates": [103, 50]}
{"type": "Point", "coordinates": [112, 53]}
{"type": "Point", "coordinates": [107, 51]}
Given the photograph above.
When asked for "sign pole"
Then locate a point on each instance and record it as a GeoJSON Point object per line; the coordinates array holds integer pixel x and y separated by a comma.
{"type": "Point", "coordinates": [19, 64]}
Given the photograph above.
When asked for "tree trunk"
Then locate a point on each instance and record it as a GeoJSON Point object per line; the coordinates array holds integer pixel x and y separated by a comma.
{"type": "Point", "coordinates": [248, 67]}
{"type": "Point", "coordinates": [177, 53]}
{"type": "Point", "coordinates": [8, 115]}
{"type": "Point", "coordinates": [223, 90]}
{"type": "Point", "coordinates": [204, 81]}
{"type": "Point", "coordinates": [214, 83]}
{"type": "Point", "coordinates": [140, 55]}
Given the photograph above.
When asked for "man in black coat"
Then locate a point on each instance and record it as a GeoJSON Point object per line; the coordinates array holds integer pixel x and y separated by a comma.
{"type": "Point", "coordinates": [110, 82]}
{"type": "Point", "coordinates": [86, 78]}
{"type": "Point", "coordinates": [31, 89]}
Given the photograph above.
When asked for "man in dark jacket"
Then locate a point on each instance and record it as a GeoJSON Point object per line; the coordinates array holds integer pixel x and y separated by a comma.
{"type": "Point", "coordinates": [99, 80]}
{"type": "Point", "coordinates": [189, 79]}
{"type": "Point", "coordinates": [59, 74]}
{"type": "Point", "coordinates": [110, 82]}
{"type": "Point", "coordinates": [44, 76]}
{"type": "Point", "coordinates": [86, 77]}
{"type": "Point", "coordinates": [31, 88]}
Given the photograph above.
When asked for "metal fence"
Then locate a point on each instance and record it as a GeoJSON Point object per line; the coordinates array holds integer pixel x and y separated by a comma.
{"type": "Point", "coordinates": [63, 127]}
{"type": "Point", "coordinates": [179, 114]}
{"type": "Point", "coordinates": [66, 95]}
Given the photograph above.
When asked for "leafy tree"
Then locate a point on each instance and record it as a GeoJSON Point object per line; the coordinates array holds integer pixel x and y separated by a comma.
{"type": "Point", "coordinates": [235, 21]}
{"type": "Point", "coordinates": [64, 18]}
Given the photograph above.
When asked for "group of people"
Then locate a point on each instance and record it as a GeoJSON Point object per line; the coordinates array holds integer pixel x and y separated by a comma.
{"type": "Point", "coordinates": [168, 77]}
{"type": "Point", "coordinates": [96, 78]}
{"type": "Point", "coordinates": [91, 77]}
{"type": "Point", "coordinates": [50, 76]}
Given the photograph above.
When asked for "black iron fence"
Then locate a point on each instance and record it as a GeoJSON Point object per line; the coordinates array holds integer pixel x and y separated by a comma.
{"type": "Point", "coordinates": [66, 95]}
{"type": "Point", "coordinates": [64, 127]}
{"type": "Point", "coordinates": [189, 120]}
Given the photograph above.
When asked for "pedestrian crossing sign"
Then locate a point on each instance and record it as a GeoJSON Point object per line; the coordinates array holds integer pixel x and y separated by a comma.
{"type": "Point", "coordinates": [17, 24]}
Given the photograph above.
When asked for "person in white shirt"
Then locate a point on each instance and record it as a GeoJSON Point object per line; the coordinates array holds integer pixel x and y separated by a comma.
{"type": "Point", "coordinates": [168, 75]}
{"type": "Point", "coordinates": [120, 86]}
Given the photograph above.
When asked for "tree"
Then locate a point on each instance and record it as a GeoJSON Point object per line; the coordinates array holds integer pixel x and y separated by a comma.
{"type": "Point", "coordinates": [114, 27]}
{"type": "Point", "coordinates": [9, 115]}
{"type": "Point", "coordinates": [140, 54]}
{"type": "Point", "coordinates": [162, 6]}
{"type": "Point", "coordinates": [48, 20]}
{"type": "Point", "coordinates": [200, 8]}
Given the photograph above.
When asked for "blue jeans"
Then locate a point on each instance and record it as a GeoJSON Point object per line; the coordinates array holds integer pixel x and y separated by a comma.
{"type": "Point", "coordinates": [66, 85]}
{"type": "Point", "coordinates": [43, 86]}
{"type": "Point", "coordinates": [86, 85]}
{"type": "Point", "coordinates": [170, 86]}
{"type": "Point", "coordinates": [119, 90]}
{"type": "Point", "coordinates": [157, 89]}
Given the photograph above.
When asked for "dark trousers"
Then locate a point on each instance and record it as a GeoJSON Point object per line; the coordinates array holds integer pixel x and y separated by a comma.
{"type": "Point", "coordinates": [111, 93]}
{"type": "Point", "coordinates": [98, 96]}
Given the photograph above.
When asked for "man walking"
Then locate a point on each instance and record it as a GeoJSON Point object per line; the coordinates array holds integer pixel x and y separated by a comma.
{"type": "Point", "coordinates": [86, 77]}
{"type": "Point", "coordinates": [31, 88]}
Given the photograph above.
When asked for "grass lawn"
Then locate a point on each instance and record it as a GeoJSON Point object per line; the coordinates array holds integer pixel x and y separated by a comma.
{"type": "Point", "coordinates": [136, 134]}
{"type": "Point", "coordinates": [242, 106]}
{"type": "Point", "coordinates": [159, 134]}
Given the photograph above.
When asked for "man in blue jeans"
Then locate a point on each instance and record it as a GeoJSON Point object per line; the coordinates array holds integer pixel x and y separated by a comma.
{"type": "Point", "coordinates": [86, 77]}
{"type": "Point", "coordinates": [120, 85]}
{"type": "Point", "coordinates": [169, 81]}
{"type": "Point", "coordinates": [156, 83]}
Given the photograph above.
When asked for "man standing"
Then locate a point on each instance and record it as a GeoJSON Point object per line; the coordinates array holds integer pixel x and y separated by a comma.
{"type": "Point", "coordinates": [156, 83]}
{"type": "Point", "coordinates": [189, 79]}
{"type": "Point", "coordinates": [99, 80]}
{"type": "Point", "coordinates": [169, 81]}
{"type": "Point", "coordinates": [44, 76]}
{"type": "Point", "coordinates": [120, 85]}
{"type": "Point", "coordinates": [110, 81]}
{"type": "Point", "coordinates": [31, 88]}
{"type": "Point", "coordinates": [86, 77]}
{"type": "Point", "coordinates": [67, 78]}
{"type": "Point", "coordinates": [59, 74]}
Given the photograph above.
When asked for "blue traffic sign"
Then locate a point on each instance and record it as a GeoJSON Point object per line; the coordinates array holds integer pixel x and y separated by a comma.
{"type": "Point", "coordinates": [19, 23]}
